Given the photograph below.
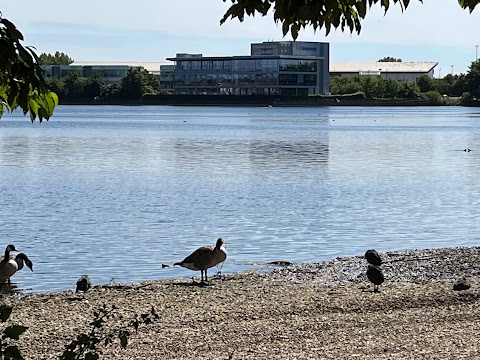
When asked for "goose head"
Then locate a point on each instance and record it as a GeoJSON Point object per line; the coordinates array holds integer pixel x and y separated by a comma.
{"type": "Point", "coordinates": [21, 259]}
{"type": "Point", "coordinates": [219, 244]}
{"type": "Point", "coordinates": [9, 248]}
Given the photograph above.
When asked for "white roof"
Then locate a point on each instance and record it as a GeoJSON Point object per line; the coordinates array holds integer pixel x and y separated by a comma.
{"type": "Point", "coordinates": [149, 66]}
{"type": "Point", "coordinates": [404, 66]}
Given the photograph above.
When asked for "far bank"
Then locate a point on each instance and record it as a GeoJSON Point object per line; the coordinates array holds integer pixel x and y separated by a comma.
{"type": "Point", "coordinates": [263, 100]}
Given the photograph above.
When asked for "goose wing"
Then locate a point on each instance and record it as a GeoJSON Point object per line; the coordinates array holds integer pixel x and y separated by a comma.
{"type": "Point", "coordinates": [199, 259]}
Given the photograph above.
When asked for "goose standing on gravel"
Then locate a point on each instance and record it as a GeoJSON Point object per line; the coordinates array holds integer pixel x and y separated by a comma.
{"type": "Point", "coordinates": [204, 258]}
{"type": "Point", "coordinates": [373, 257]}
{"type": "Point", "coordinates": [375, 275]}
{"type": "Point", "coordinates": [12, 265]}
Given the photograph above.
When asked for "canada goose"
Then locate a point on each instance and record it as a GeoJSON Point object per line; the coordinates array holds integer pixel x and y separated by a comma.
{"type": "Point", "coordinates": [83, 283]}
{"type": "Point", "coordinates": [204, 258]}
{"type": "Point", "coordinates": [14, 264]}
{"type": "Point", "coordinates": [373, 257]}
{"type": "Point", "coordinates": [9, 248]}
{"type": "Point", "coordinates": [375, 275]}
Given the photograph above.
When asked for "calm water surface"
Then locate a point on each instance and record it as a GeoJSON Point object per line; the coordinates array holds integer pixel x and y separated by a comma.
{"type": "Point", "coordinates": [114, 192]}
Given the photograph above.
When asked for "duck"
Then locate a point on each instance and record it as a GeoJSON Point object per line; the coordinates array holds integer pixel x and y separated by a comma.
{"type": "Point", "coordinates": [204, 258]}
{"type": "Point", "coordinates": [83, 283]}
{"type": "Point", "coordinates": [14, 264]}
{"type": "Point", "coordinates": [375, 275]}
{"type": "Point", "coordinates": [373, 257]}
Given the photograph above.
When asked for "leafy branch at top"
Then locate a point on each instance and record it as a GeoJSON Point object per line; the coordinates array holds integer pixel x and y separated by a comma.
{"type": "Point", "coordinates": [295, 15]}
{"type": "Point", "coordinates": [22, 82]}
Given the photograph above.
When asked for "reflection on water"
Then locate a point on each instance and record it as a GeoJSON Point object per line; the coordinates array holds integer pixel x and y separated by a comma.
{"type": "Point", "coordinates": [286, 154]}
{"type": "Point", "coordinates": [114, 192]}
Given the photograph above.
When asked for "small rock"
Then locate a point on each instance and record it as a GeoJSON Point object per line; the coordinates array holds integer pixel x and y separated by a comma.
{"type": "Point", "coordinates": [461, 284]}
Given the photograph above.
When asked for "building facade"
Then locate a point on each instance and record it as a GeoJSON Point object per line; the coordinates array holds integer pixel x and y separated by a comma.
{"type": "Point", "coordinates": [113, 72]}
{"type": "Point", "coordinates": [272, 68]}
{"type": "Point", "coordinates": [409, 71]}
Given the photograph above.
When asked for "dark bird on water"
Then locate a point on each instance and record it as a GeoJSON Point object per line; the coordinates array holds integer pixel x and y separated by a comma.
{"type": "Point", "coordinates": [83, 283]}
{"type": "Point", "coordinates": [204, 258]}
{"type": "Point", "coordinates": [375, 275]}
{"type": "Point", "coordinates": [373, 257]}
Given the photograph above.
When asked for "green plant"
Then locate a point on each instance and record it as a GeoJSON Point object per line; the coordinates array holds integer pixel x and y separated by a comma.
{"type": "Point", "coordinates": [434, 97]}
{"type": "Point", "coordinates": [85, 346]}
{"type": "Point", "coordinates": [12, 332]}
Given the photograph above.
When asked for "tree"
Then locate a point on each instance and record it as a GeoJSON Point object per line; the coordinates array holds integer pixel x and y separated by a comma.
{"type": "Point", "coordinates": [407, 90]}
{"type": "Point", "coordinates": [57, 86]}
{"type": "Point", "coordinates": [93, 86]}
{"type": "Point", "coordinates": [74, 85]}
{"type": "Point", "coordinates": [425, 83]}
{"type": "Point", "coordinates": [22, 82]}
{"type": "Point", "coordinates": [139, 82]}
{"type": "Point", "coordinates": [389, 59]}
{"type": "Point", "coordinates": [59, 58]}
{"type": "Point", "coordinates": [295, 15]}
{"type": "Point", "coordinates": [472, 79]}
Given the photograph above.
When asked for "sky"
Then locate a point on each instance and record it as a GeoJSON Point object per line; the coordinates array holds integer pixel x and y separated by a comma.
{"type": "Point", "coordinates": [153, 30]}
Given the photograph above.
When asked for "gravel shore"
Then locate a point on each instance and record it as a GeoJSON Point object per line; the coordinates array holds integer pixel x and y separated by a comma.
{"type": "Point", "coordinates": [302, 311]}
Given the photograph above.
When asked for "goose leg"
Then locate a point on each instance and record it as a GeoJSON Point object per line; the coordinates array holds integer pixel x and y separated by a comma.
{"type": "Point", "coordinates": [206, 276]}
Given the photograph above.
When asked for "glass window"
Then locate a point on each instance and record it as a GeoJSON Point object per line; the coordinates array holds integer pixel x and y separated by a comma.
{"type": "Point", "coordinates": [289, 65]}
{"type": "Point", "coordinates": [307, 79]}
{"type": "Point", "coordinates": [302, 91]}
{"type": "Point", "coordinates": [288, 91]}
{"type": "Point", "coordinates": [246, 79]}
{"type": "Point", "coordinates": [307, 66]}
{"type": "Point", "coordinates": [224, 79]}
{"type": "Point", "coordinates": [288, 79]}
{"type": "Point", "coordinates": [266, 79]}
{"type": "Point", "coordinates": [207, 65]}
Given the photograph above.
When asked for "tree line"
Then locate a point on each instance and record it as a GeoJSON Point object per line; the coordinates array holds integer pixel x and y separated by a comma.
{"type": "Point", "coordinates": [466, 86]}
{"type": "Point", "coordinates": [134, 85]}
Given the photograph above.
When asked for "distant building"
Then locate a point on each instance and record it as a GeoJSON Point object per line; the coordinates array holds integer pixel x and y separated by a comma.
{"type": "Point", "coordinates": [272, 68]}
{"type": "Point", "coordinates": [398, 71]}
{"type": "Point", "coordinates": [111, 72]}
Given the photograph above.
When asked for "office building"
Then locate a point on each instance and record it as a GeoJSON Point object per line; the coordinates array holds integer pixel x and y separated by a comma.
{"type": "Point", "coordinates": [272, 68]}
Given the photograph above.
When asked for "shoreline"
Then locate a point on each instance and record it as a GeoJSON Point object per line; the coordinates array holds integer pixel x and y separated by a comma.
{"type": "Point", "coordinates": [248, 100]}
{"type": "Point", "coordinates": [314, 310]}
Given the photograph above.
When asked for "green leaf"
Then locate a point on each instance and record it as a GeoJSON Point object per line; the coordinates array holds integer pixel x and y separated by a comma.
{"type": "Point", "coordinates": [12, 352]}
{"type": "Point", "coordinates": [68, 355]}
{"type": "Point", "coordinates": [91, 356]}
{"type": "Point", "coordinates": [14, 331]}
{"type": "Point", "coordinates": [123, 336]}
{"type": "Point", "coordinates": [5, 311]}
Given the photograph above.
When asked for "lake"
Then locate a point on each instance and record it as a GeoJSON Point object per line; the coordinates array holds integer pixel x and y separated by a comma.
{"type": "Point", "coordinates": [116, 191]}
